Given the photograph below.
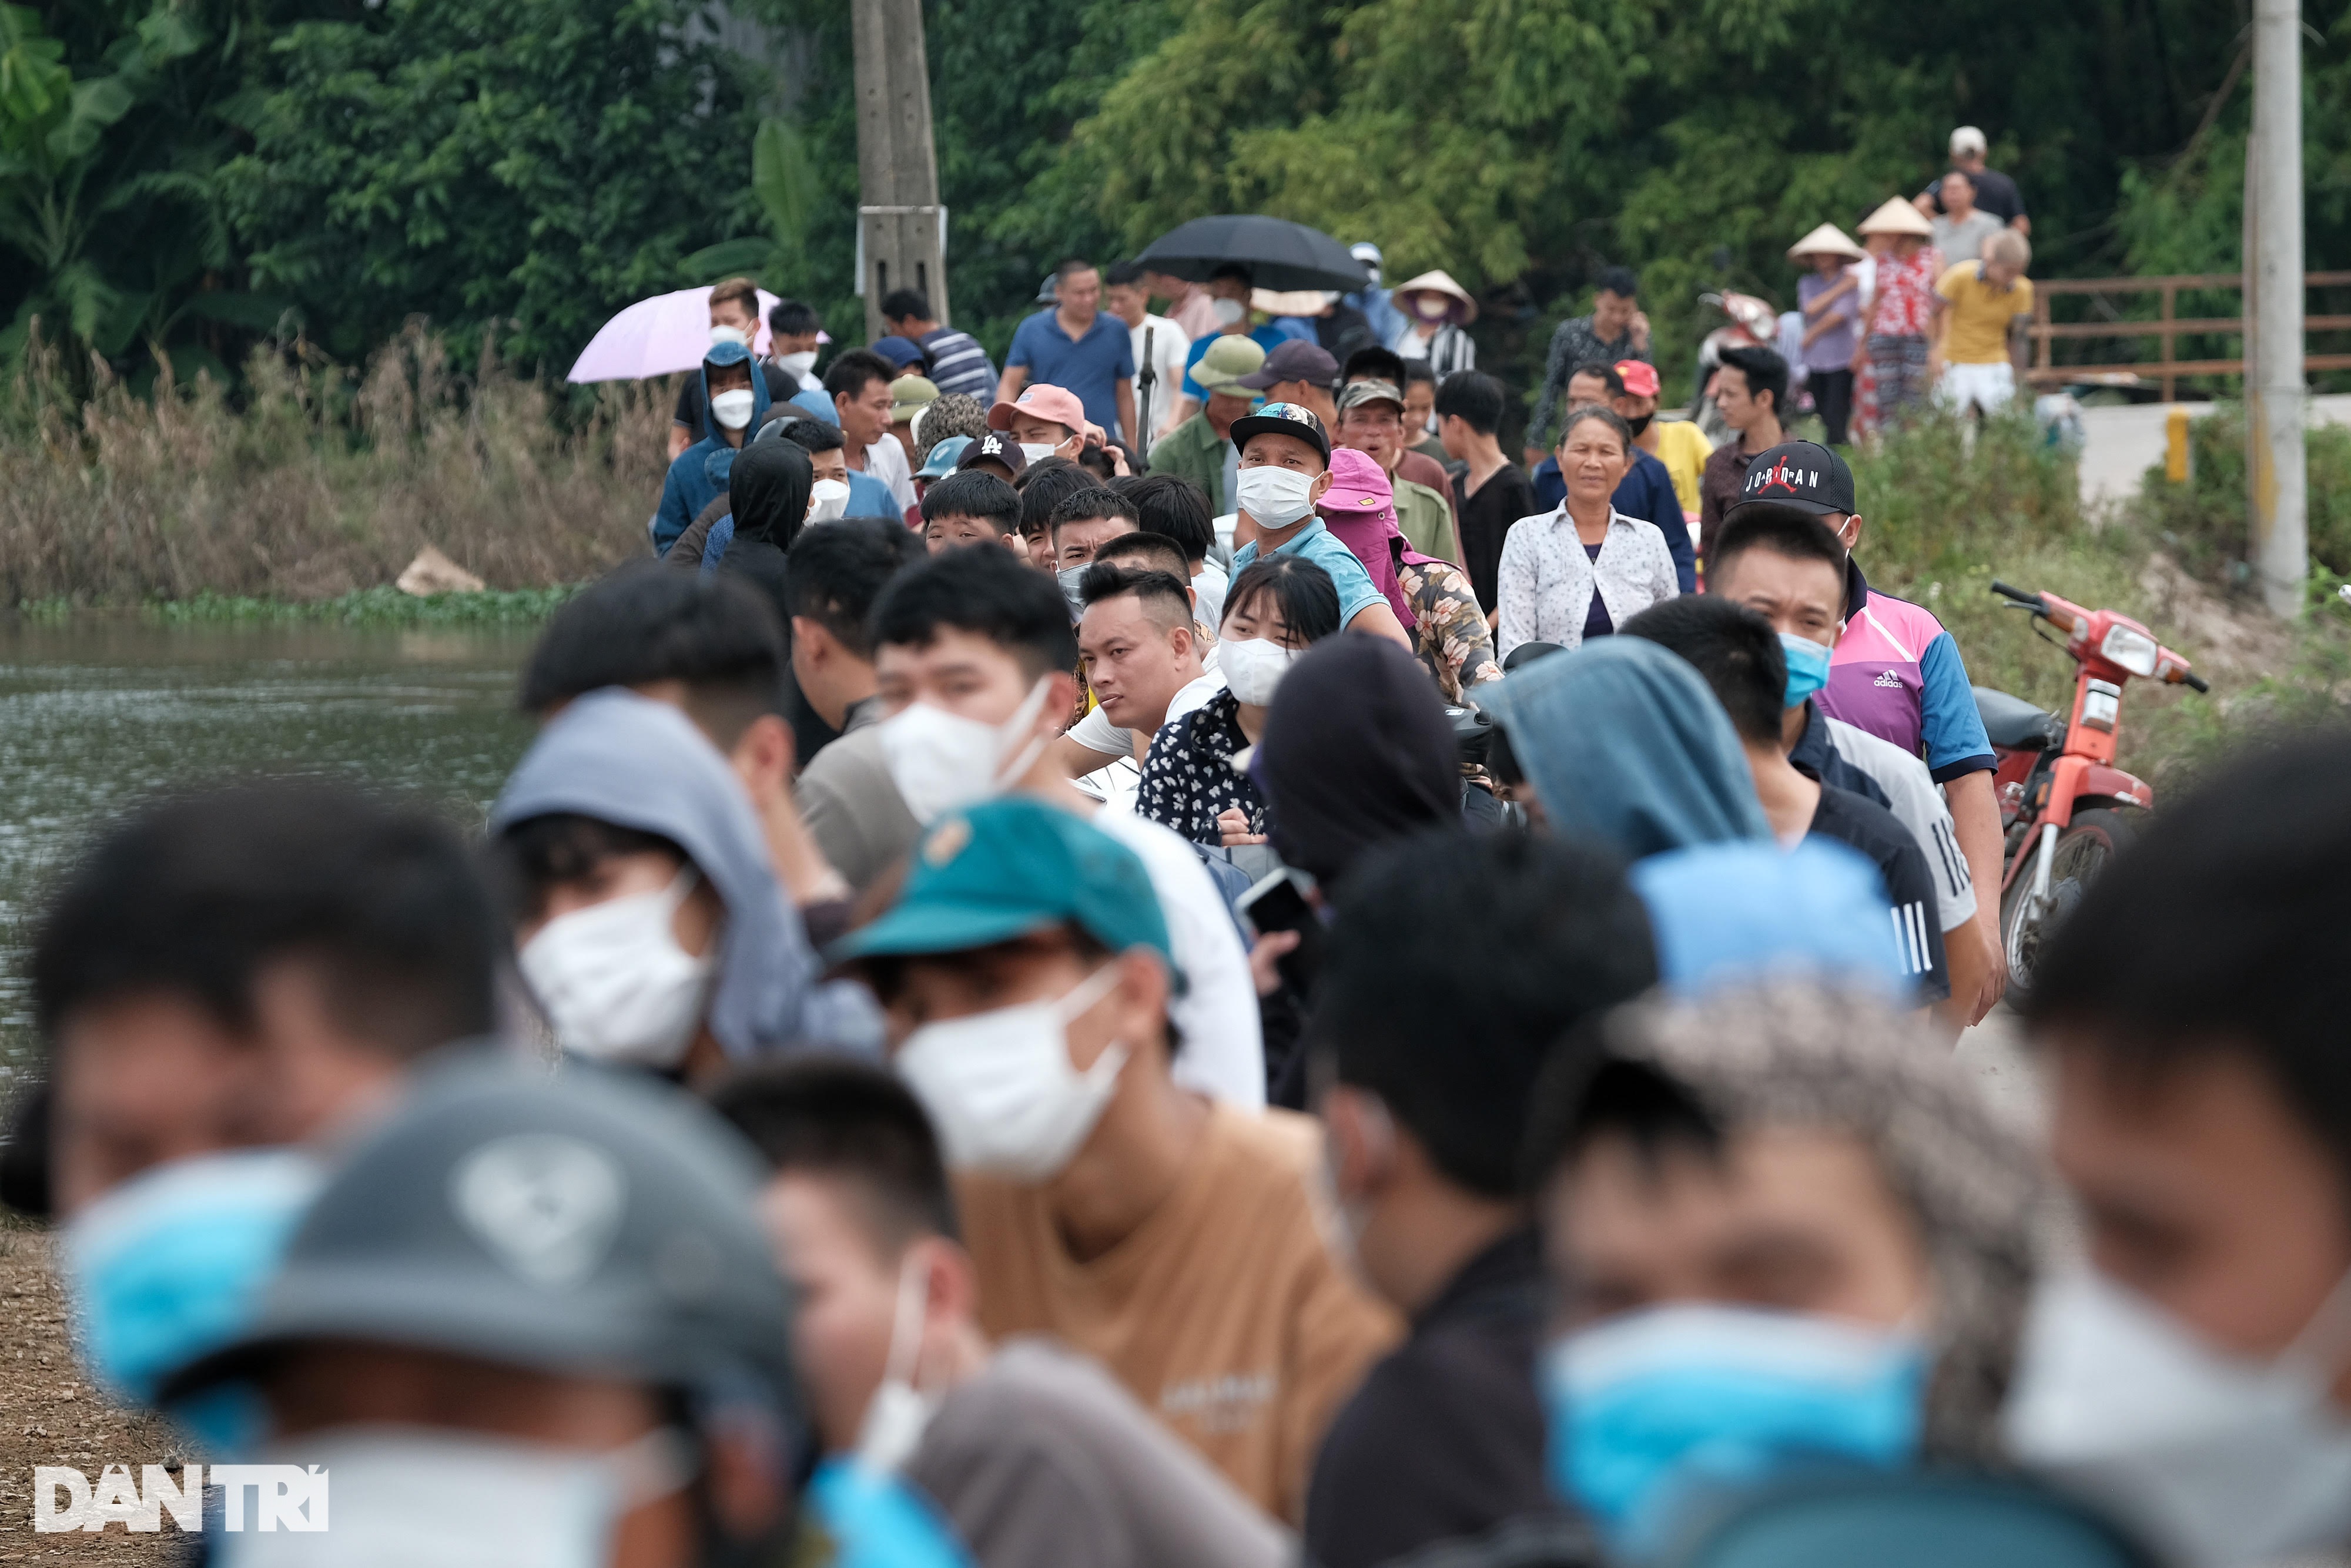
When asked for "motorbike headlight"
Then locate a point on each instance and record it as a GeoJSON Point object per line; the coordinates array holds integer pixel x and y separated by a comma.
{"type": "Point", "coordinates": [2132, 650]}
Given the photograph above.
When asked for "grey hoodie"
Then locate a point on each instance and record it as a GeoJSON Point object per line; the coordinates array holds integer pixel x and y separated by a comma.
{"type": "Point", "coordinates": [637, 763]}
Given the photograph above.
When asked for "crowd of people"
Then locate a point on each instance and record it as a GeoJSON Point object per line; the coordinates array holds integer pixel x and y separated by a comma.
{"type": "Point", "coordinates": [1029, 1004]}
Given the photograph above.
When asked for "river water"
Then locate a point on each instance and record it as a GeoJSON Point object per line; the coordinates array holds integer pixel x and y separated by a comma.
{"type": "Point", "coordinates": [97, 714]}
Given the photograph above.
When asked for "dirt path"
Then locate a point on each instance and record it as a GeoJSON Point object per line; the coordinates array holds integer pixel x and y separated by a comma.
{"type": "Point", "coordinates": [50, 1415]}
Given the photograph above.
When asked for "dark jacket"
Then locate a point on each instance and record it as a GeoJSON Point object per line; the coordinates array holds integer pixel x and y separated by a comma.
{"type": "Point", "coordinates": [1194, 451]}
{"type": "Point", "coordinates": [698, 477]}
{"type": "Point", "coordinates": [685, 552]}
{"type": "Point", "coordinates": [1445, 1438]}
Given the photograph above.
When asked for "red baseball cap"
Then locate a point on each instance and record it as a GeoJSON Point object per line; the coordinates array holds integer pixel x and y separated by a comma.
{"type": "Point", "coordinates": [1041, 401]}
{"type": "Point", "coordinates": [1359, 486]}
{"type": "Point", "coordinates": [1640, 377]}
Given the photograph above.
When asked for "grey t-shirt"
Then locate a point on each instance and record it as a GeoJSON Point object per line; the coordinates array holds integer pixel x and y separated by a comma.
{"type": "Point", "coordinates": [1959, 241]}
{"type": "Point", "coordinates": [1043, 1461]}
{"type": "Point", "coordinates": [852, 806]}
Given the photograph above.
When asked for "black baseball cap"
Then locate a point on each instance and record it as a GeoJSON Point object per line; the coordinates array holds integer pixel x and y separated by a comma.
{"type": "Point", "coordinates": [994, 447]}
{"type": "Point", "coordinates": [1293, 359]}
{"type": "Point", "coordinates": [1293, 419]}
{"type": "Point", "coordinates": [1800, 474]}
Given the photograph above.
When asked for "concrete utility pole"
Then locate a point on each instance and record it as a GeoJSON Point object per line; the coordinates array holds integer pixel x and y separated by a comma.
{"type": "Point", "coordinates": [2278, 475]}
{"type": "Point", "coordinates": [898, 213]}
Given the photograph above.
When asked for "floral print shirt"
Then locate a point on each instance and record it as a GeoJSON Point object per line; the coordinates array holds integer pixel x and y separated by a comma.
{"type": "Point", "coordinates": [1189, 778]}
{"type": "Point", "coordinates": [1451, 638]}
{"type": "Point", "coordinates": [1906, 294]}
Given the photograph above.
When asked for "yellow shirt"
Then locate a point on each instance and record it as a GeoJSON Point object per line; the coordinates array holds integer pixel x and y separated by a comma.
{"type": "Point", "coordinates": [1683, 448]}
{"type": "Point", "coordinates": [1226, 1313]}
{"type": "Point", "coordinates": [1980, 314]}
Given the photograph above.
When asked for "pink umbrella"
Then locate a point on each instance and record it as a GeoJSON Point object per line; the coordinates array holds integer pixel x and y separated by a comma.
{"type": "Point", "coordinates": [659, 336]}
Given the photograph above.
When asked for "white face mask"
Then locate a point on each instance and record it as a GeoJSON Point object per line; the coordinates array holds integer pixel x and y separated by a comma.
{"type": "Point", "coordinates": [732, 409]}
{"type": "Point", "coordinates": [613, 981]}
{"type": "Point", "coordinates": [898, 1413]}
{"type": "Point", "coordinates": [2224, 1458]}
{"type": "Point", "coordinates": [800, 364]}
{"type": "Point", "coordinates": [493, 1502]}
{"type": "Point", "coordinates": [1228, 311]}
{"type": "Point", "coordinates": [941, 760]}
{"type": "Point", "coordinates": [1274, 495]}
{"type": "Point", "coordinates": [828, 500]}
{"type": "Point", "coordinates": [730, 335]}
{"type": "Point", "coordinates": [1252, 668]}
{"type": "Point", "coordinates": [1038, 451]}
{"type": "Point", "coordinates": [1000, 1086]}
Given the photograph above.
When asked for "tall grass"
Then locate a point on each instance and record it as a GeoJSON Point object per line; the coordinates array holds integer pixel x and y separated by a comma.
{"type": "Point", "coordinates": [1944, 515]}
{"type": "Point", "coordinates": [2202, 522]}
{"type": "Point", "coordinates": [318, 482]}
{"type": "Point", "coordinates": [305, 496]}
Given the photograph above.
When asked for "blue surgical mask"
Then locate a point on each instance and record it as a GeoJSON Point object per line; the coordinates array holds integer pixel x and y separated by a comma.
{"type": "Point", "coordinates": [1808, 667]}
{"type": "Point", "coordinates": [170, 1265]}
{"type": "Point", "coordinates": [1069, 578]}
{"type": "Point", "coordinates": [1656, 1406]}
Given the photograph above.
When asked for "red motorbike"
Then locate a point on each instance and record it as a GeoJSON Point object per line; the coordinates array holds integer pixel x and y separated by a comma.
{"type": "Point", "coordinates": [2066, 808]}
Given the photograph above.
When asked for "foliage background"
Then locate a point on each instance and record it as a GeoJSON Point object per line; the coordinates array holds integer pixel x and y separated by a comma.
{"type": "Point", "coordinates": [194, 176]}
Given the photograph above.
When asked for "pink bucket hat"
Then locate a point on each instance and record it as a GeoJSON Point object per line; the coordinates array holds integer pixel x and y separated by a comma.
{"type": "Point", "coordinates": [1359, 486]}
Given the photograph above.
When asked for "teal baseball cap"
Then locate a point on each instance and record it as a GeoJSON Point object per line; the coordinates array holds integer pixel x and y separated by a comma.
{"type": "Point", "coordinates": [942, 460]}
{"type": "Point", "coordinates": [1009, 867]}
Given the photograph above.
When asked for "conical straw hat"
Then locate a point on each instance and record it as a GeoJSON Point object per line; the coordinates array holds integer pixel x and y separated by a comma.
{"type": "Point", "coordinates": [1898, 216]}
{"type": "Point", "coordinates": [1827, 240]}
{"type": "Point", "coordinates": [1439, 282]}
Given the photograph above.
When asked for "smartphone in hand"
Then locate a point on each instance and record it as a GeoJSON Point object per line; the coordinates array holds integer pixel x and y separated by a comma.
{"type": "Point", "coordinates": [1279, 903]}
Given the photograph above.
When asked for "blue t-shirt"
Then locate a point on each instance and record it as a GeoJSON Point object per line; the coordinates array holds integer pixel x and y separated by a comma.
{"type": "Point", "coordinates": [1092, 366]}
{"type": "Point", "coordinates": [1948, 721]}
{"type": "Point", "coordinates": [1264, 336]}
{"type": "Point", "coordinates": [869, 497]}
{"type": "Point", "coordinates": [1317, 543]}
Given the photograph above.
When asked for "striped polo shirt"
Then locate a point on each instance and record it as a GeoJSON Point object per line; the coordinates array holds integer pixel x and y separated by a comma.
{"type": "Point", "coordinates": [958, 364]}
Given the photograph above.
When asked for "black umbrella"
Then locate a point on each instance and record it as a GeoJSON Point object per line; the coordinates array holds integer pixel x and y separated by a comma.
{"type": "Point", "coordinates": [1280, 254]}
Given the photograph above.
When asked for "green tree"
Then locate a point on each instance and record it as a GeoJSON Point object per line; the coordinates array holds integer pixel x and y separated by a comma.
{"type": "Point", "coordinates": [110, 134]}
{"type": "Point", "coordinates": [1522, 145]}
{"type": "Point", "coordinates": [543, 162]}
{"type": "Point", "coordinates": [1010, 80]}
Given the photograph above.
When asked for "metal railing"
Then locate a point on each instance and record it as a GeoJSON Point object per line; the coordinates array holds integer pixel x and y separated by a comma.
{"type": "Point", "coordinates": [2168, 326]}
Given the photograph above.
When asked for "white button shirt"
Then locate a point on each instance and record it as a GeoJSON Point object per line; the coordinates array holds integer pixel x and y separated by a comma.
{"type": "Point", "coordinates": [1544, 585]}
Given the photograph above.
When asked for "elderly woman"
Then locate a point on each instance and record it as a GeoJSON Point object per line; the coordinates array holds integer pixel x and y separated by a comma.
{"type": "Point", "coordinates": [1576, 571]}
{"type": "Point", "coordinates": [1783, 1230]}
{"type": "Point", "coordinates": [1903, 310]}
